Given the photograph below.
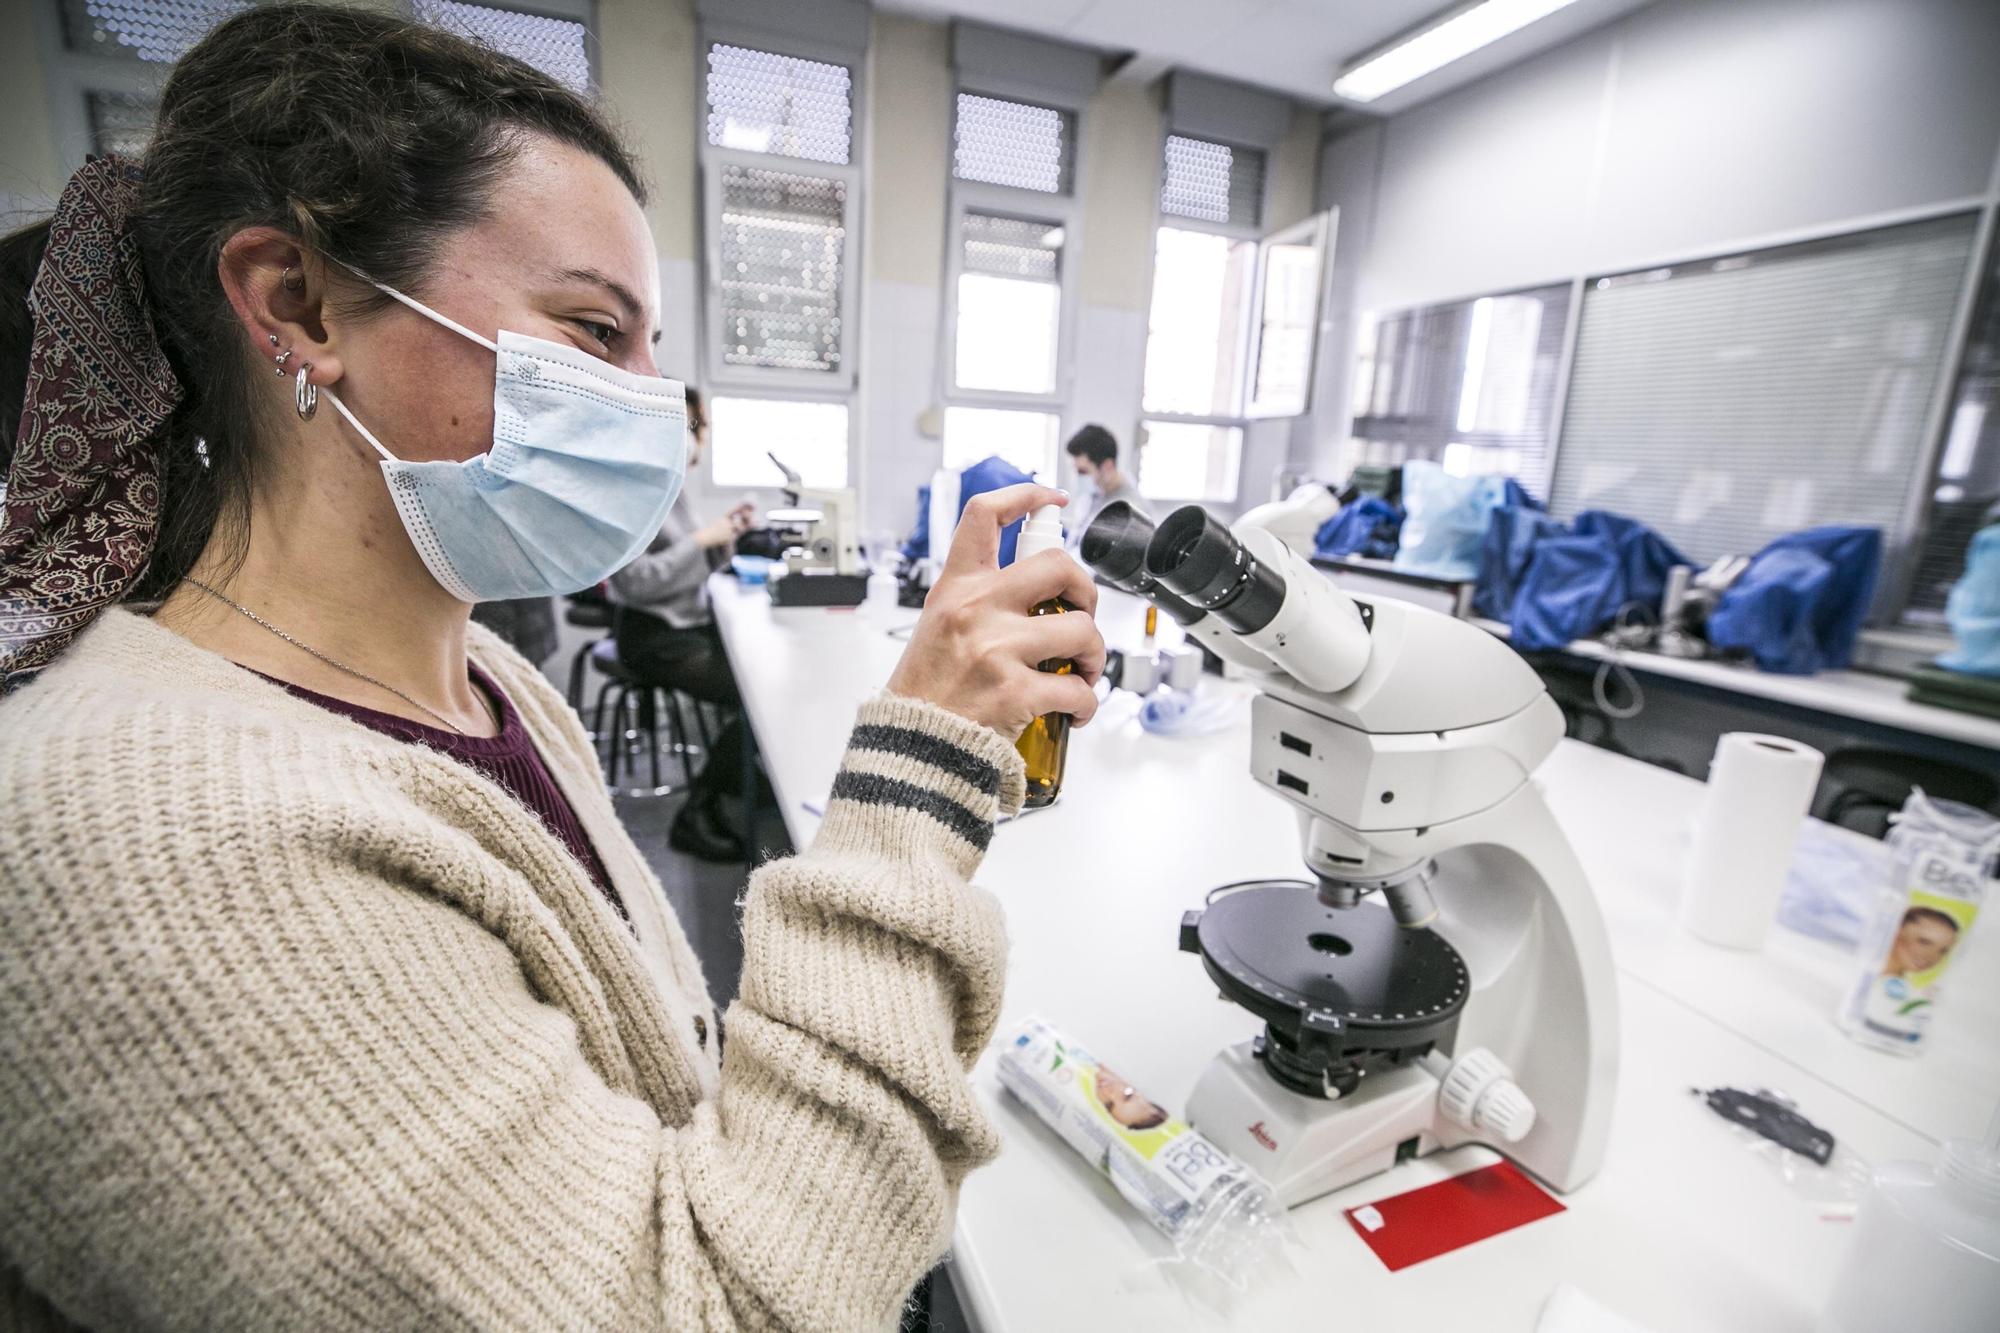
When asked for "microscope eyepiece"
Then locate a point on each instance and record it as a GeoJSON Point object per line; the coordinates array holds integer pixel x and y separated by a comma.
{"type": "Point", "coordinates": [1196, 557]}
{"type": "Point", "coordinates": [1114, 546]}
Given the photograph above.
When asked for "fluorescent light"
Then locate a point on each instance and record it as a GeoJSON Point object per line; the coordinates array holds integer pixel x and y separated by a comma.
{"type": "Point", "coordinates": [1435, 47]}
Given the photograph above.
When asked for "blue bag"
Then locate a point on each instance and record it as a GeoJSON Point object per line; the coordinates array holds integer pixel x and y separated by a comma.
{"type": "Point", "coordinates": [1573, 587]}
{"type": "Point", "coordinates": [1644, 556]}
{"type": "Point", "coordinates": [1798, 608]}
{"type": "Point", "coordinates": [1973, 608]}
{"type": "Point", "coordinates": [1368, 527]}
{"type": "Point", "coordinates": [1511, 535]}
{"type": "Point", "coordinates": [917, 545]}
{"type": "Point", "coordinates": [1445, 518]}
{"type": "Point", "coordinates": [988, 474]}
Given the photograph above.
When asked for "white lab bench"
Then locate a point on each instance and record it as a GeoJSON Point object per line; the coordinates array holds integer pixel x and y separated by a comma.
{"type": "Point", "coordinates": [1862, 695]}
{"type": "Point", "coordinates": [1683, 1229]}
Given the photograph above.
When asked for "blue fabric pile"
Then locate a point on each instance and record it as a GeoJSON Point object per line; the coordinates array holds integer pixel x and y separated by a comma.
{"type": "Point", "coordinates": [1798, 608]}
{"type": "Point", "coordinates": [1554, 582]}
{"type": "Point", "coordinates": [988, 474]}
{"type": "Point", "coordinates": [1367, 526]}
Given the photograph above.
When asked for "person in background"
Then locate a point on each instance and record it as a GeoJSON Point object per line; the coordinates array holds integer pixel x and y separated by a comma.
{"type": "Point", "coordinates": [336, 996]}
{"type": "Point", "coordinates": [527, 624]}
{"type": "Point", "coordinates": [667, 637]}
{"type": "Point", "coordinates": [1094, 453]}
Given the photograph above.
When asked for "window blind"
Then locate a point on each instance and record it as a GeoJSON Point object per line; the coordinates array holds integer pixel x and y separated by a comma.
{"type": "Point", "coordinates": [1731, 400]}
{"type": "Point", "coordinates": [1018, 144]}
{"type": "Point", "coordinates": [1212, 182]}
{"type": "Point", "coordinates": [557, 47]}
{"type": "Point", "coordinates": [156, 31]}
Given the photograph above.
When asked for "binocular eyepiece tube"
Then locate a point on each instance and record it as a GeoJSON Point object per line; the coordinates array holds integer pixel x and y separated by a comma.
{"type": "Point", "coordinates": [1114, 546]}
{"type": "Point", "coordinates": [1197, 558]}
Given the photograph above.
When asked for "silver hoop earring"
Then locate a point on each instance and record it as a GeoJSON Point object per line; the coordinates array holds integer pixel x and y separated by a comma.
{"type": "Point", "coordinates": [306, 392]}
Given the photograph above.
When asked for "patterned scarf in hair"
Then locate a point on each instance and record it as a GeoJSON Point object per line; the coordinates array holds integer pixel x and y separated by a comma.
{"type": "Point", "coordinates": [83, 491]}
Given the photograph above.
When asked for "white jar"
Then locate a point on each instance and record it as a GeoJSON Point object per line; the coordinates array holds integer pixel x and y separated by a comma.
{"type": "Point", "coordinates": [1926, 1251]}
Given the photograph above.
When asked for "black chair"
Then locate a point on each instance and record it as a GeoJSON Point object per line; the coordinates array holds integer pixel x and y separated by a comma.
{"type": "Point", "coordinates": [585, 613]}
{"type": "Point", "coordinates": [638, 710]}
{"type": "Point", "coordinates": [1862, 786]}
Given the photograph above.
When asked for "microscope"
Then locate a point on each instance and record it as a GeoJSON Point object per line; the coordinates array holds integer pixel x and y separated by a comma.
{"type": "Point", "coordinates": [821, 565]}
{"type": "Point", "coordinates": [1444, 977]}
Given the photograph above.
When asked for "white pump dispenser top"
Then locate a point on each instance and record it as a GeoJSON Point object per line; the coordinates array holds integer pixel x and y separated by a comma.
{"type": "Point", "coordinates": [1042, 531]}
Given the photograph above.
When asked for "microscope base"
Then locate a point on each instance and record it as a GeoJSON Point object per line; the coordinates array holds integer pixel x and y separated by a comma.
{"type": "Point", "coordinates": [1307, 1146]}
{"type": "Point", "coordinates": [819, 589]}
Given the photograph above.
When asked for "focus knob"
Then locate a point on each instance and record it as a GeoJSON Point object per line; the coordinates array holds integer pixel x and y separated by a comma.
{"type": "Point", "coordinates": [1478, 1093]}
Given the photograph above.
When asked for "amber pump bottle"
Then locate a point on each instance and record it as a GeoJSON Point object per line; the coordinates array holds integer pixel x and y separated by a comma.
{"type": "Point", "coordinates": [1044, 746]}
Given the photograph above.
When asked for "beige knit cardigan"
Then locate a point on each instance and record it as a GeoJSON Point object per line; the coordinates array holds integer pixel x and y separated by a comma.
{"type": "Point", "coordinates": [302, 1026]}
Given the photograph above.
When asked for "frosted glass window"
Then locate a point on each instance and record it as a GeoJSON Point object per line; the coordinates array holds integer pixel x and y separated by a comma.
{"type": "Point", "coordinates": [1017, 144]}
{"type": "Point", "coordinates": [1196, 330]}
{"type": "Point", "coordinates": [1212, 182]}
{"type": "Point", "coordinates": [155, 31]}
{"type": "Point", "coordinates": [1731, 400]}
{"type": "Point", "coordinates": [782, 256]}
{"type": "Point", "coordinates": [1009, 305]}
{"type": "Point", "coordinates": [1189, 460]}
{"type": "Point", "coordinates": [763, 102]}
{"type": "Point", "coordinates": [1025, 439]}
{"type": "Point", "coordinates": [558, 48]}
{"type": "Point", "coordinates": [810, 437]}
{"type": "Point", "coordinates": [121, 123]}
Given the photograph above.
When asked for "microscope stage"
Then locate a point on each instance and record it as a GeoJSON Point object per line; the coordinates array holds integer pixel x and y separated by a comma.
{"type": "Point", "coordinates": [1333, 985]}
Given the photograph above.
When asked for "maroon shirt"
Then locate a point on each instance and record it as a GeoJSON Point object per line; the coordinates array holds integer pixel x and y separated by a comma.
{"type": "Point", "coordinates": [508, 759]}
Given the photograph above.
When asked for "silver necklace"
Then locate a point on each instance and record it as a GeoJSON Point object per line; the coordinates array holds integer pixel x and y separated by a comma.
{"type": "Point", "coordinates": [308, 648]}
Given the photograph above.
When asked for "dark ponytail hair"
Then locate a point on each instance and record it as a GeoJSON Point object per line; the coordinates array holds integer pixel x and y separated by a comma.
{"type": "Point", "coordinates": [368, 137]}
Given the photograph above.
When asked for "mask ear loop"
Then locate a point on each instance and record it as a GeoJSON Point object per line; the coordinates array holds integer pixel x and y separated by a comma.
{"type": "Point", "coordinates": [421, 309]}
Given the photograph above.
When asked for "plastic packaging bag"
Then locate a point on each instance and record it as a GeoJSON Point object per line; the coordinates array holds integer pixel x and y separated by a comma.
{"type": "Point", "coordinates": [1445, 520]}
{"type": "Point", "coordinates": [1219, 1215]}
{"type": "Point", "coordinates": [1798, 608]}
{"type": "Point", "coordinates": [1369, 526]}
{"type": "Point", "coordinates": [1973, 608]}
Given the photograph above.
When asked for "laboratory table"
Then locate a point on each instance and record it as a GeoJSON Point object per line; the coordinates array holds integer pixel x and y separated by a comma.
{"type": "Point", "coordinates": [1684, 1228]}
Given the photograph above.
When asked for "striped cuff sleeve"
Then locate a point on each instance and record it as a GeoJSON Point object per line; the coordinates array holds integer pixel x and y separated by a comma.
{"type": "Point", "coordinates": [916, 770]}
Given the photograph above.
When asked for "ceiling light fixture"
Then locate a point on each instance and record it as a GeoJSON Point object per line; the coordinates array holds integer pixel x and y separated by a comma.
{"type": "Point", "coordinates": [1458, 35]}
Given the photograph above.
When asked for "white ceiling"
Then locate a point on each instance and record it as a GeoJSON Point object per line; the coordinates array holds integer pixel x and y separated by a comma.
{"type": "Point", "coordinates": [1291, 46]}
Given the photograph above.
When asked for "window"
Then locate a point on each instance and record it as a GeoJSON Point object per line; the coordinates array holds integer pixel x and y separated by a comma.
{"type": "Point", "coordinates": [1025, 439]}
{"type": "Point", "coordinates": [1730, 400]}
{"type": "Point", "coordinates": [1230, 336]}
{"type": "Point", "coordinates": [1016, 144]}
{"type": "Point", "coordinates": [1966, 494]}
{"type": "Point", "coordinates": [763, 102]}
{"type": "Point", "coordinates": [780, 197]}
{"type": "Point", "coordinates": [1009, 304]}
{"type": "Point", "coordinates": [157, 32]}
{"type": "Point", "coordinates": [783, 244]}
{"type": "Point", "coordinates": [558, 47]}
{"type": "Point", "coordinates": [1212, 182]}
{"type": "Point", "coordinates": [121, 123]}
{"type": "Point", "coordinates": [1186, 460]}
{"type": "Point", "coordinates": [811, 438]}
{"type": "Point", "coordinates": [1471, 384]}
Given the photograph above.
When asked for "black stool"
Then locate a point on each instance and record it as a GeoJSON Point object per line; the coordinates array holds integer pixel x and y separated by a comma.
{"type": "Point", "coordinates": [584, 615]}
{"type": "Point", "coordinates": [1863, 786]}
{"type": "Point", "coordinates": [638, 709]}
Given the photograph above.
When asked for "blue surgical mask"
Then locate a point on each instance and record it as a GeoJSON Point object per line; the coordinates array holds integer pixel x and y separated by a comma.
{"type": "Point", "coordinates": [586, 461]}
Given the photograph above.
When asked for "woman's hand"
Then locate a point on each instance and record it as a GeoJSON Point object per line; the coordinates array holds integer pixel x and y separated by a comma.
{"type": "Point", "coordinates": [976, 646]}
{"type": "Point", "coordinates": [725, 530]}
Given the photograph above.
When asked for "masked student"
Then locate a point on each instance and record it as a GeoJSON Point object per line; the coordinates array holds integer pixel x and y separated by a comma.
{"type": "Point", "coordinates": [336, 996]}
{"type": "Point", "coordinates": [1093, 452]}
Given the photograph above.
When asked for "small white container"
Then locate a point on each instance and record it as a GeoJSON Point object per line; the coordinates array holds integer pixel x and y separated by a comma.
{"type": "Point", "coordinates": [1926, 1252]}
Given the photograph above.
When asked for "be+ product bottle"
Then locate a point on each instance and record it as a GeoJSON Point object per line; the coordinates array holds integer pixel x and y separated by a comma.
{"type": "Point", "coordinates": [1044, 746]}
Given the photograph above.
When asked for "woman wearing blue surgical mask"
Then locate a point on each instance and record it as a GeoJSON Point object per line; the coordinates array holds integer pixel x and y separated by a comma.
{"type": "Point", "coordinates": [335, 995]}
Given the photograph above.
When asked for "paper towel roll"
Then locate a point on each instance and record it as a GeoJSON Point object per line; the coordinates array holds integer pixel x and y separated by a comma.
{"type": "Point", "coordinates": [1759, 789]}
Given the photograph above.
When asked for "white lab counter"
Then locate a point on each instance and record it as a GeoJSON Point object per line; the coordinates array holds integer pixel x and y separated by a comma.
{"type": "Point", "coordinates": [1682, 1229]}
{"type": "Point", "coordinates": [1861, 695]}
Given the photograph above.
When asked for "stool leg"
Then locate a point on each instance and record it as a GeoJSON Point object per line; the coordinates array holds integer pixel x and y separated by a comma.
{"type": "Point", "coordinates": [598, 735]}
{"type": "Point", "coordinates": [649, 708]}
{"type": "Point", "coordinates": [680, 735]}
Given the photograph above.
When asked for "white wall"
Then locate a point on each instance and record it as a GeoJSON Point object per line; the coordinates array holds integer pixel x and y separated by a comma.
{"type": "Point", "coordinates": [1691, 126]}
